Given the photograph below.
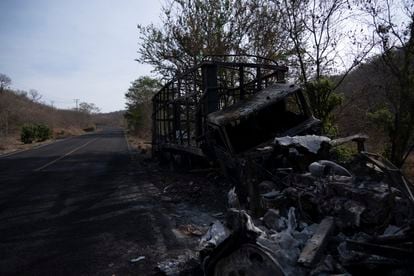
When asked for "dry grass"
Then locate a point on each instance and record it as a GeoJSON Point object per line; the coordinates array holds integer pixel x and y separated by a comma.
{"type": "Point", "coordinates": [16, 109]}
{"type": "Point", "coordinates": [60, 133]}
{"type": "Point", "coordinates": [139, 143]}
{"type": "Point", "coordinates": [13, 143]}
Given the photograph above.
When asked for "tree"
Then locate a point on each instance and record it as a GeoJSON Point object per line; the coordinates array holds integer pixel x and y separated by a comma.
{"type": "Point", "coordinates": [5, 82]}
{"type": "Point", "coordinates": [265, 33]}
{"type": "Point", "coordinates": [313, 36]}
{"type": "Point", "coordinates": [35, 95]}
{"type": "Point", "coordinates": [139, 108]}
{"type": "Point", "coordinates": [393, 22]}
{"type": "Point", "coordinates": [319, 34]}
{"type": "Point", "coordinates": [194, 29]}
{"type": "Point", "coordinates": [190, 30]}
{"type": "Point", "coordinates": [88, 108]}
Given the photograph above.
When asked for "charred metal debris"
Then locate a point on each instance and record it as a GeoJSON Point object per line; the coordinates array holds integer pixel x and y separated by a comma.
{"type": "Point", "coordinates": [294, 209]}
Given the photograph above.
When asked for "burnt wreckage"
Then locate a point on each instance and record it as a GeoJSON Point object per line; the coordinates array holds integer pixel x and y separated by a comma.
{"type": "Point", "coordinates": [306, 213]}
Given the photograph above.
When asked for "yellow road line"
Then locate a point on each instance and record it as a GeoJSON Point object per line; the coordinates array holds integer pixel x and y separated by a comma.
{"type": "Point", "coordinates": [63, 156]}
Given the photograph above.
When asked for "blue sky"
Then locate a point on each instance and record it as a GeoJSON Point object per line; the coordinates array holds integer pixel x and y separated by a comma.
{"type": "Point", "coordinates": [77, 49]}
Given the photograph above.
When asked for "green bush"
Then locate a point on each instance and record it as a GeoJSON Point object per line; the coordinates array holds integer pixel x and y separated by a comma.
{"type": "Point", "coordinates": [42, 132]}
{"type": "Point", "coordinates": [27, 134]}
{"type": "Point", "coordinates": [323, 100]}
{"type": "Point", "coordinates": [89, 129]}
{"type": "Point", "coordinates": [344, 153]}
{"type": "Point", "coordinates": [35, 132]}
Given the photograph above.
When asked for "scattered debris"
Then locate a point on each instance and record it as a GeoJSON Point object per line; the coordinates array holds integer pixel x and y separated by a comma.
{"type": "Point", "coordinates": [273, 220]}
{"type": "Point", "coordinates": [218, 215]}
{"type": "Point", "coordinates": [311, 142]}
{"type": "Point", "coordinates": [330, 220]}
{"type": "Point", "coordinates": [190, 229]}
{"type": "Point", "coordinates": [315, 245]}
{"type": "Point", "coordinates": [179, 265]}
{"type": "Point", "coordinates": [135, 260]}
{"type": "Point", "coordinates": [293, 210]}
{"type": "Point", "coordinates": [325, 167]}
{"type": "Point", "coordinates": [232, 199]}
{"type": "Point", "coordinates": [215, 235]}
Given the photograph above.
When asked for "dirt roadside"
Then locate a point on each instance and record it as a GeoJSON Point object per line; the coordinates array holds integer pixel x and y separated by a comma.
{"type": "Point", "coordinates": [12, 143]}
{"type": "Point", "coordinates": [187, 204]}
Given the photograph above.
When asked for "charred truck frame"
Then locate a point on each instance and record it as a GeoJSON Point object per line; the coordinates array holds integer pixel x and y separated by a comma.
{"type": "Point", "coordinates": [224, 111]}
{"type": "Point", "coordinates": [244, 117]}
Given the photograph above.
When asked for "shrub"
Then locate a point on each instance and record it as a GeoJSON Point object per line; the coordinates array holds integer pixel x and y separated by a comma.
{"type": "Point", "coordinates": [42, 132]}
{"type": "Point", "coordinates": [27, 134]}
{"type": "Point", "coordinates": [89, 129]}
{"type": "Point", "coordinates": [344, 153]}
{"type": "Point", "coordinates": [323, 100]}
{"type": "Point", "coordinates": [32, 132]}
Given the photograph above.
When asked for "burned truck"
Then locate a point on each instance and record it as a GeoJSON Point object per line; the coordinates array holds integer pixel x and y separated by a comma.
{"type": "Point", "coordinates": [223, 109]}
{"type": "Point", "coordinates": [293, 209]}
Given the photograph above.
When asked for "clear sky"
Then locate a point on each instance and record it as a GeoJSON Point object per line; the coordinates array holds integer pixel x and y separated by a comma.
{"type": "Point", "coordinates": [74, 49]}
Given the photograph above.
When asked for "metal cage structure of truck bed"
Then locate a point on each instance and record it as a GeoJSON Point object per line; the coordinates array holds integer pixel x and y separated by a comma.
{"type": "Point", "coordinates": [181, 106]}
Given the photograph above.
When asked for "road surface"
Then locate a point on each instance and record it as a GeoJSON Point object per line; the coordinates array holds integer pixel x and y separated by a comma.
{"type": "Point", "coordinates": [80, 207]}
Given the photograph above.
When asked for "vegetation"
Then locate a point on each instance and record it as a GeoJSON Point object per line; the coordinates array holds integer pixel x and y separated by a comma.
{"type": "Point", "coordinates": [35, 132]}
{"type": "Point", "coordinates": [379, 95]}
{"type": "Point", "coordinates": [304, 34]}
{"type": "Point", "coordinates": [88, 108]}
{"type": "Point", "coordinates": [116, 118]}
{"type": "Point", "coordinates": [191, 30]}
{"type": "Point", "coordinates": [27, 134]}
{"type": "Point", "coordinates": [396, 42]}
{"type": "Point", "coordinates": [323, 101]}
{"type": "Point", "coordinates": [139, 106]}
{"type": "Point", "coordinates": [323, 44]}
{"type": "Point", "coordinates": [24, 117]}
{"type": "Point", "coordinates": [357, 77]}
{"type": "Point", "coordinates": [5, 81]}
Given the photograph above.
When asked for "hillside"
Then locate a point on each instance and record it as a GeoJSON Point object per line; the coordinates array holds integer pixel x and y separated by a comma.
{"type": "Point", "coordinates": [115, 118]}
{"type": "Point", "coordinates": [17, 109]}
{"type": "Point", "coordinates": [365, 90]}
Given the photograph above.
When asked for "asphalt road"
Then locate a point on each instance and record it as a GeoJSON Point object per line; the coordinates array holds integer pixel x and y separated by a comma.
{"type": "Point", "coordinates": [79, 207]}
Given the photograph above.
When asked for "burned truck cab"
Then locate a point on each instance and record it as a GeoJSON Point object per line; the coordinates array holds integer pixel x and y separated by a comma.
{"type": "Point", "coordinates": [245, 132]}
{"type": "Point", "coordinates": [278, 110]}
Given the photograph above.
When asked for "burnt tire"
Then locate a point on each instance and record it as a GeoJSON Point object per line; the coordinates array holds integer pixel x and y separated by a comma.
{"type": "Point", "coordinates": [248, 260]}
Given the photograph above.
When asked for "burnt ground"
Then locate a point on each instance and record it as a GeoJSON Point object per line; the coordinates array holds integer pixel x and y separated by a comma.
{"type": "Point", "coordinates": [88, 206]}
